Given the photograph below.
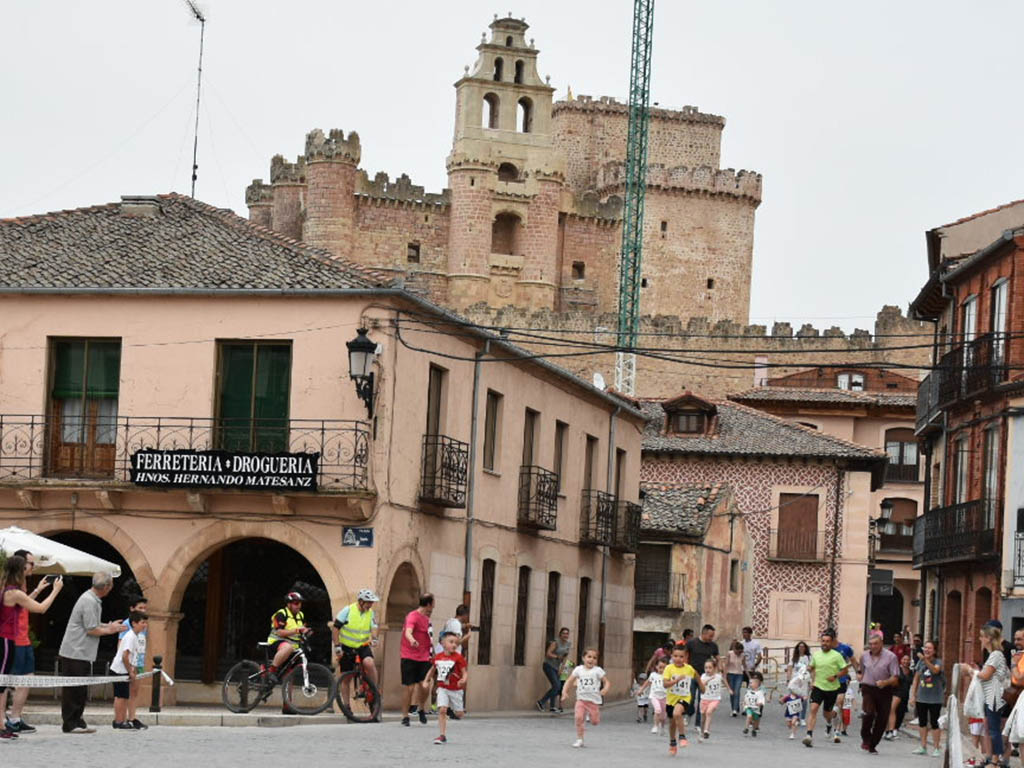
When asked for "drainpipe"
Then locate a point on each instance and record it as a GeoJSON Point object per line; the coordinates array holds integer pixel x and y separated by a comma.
{"type": "Point", "coordinates": [835, 546]}
{"type": "Point", "coordinates": [467, 575]}
{"type": "Point", "coordinates": [604, 550]}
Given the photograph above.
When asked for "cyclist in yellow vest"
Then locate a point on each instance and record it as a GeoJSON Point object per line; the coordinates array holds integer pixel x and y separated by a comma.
{"type": "Point", "coordinates": [354, 632]}
{"type": "Point", "coordinates": [286, 625]}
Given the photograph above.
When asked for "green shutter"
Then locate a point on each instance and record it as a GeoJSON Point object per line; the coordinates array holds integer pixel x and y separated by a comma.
{"type": "Point", "coordinates": [104, 369]}
{"type": "Point", "coordinates": [69, 369]}
{"type": "Point", "coordinates": [270, 404]}
{"type": "Point", "coordinates": [254, 393]}
{"type": "Point", "coordinates": [236, 361]}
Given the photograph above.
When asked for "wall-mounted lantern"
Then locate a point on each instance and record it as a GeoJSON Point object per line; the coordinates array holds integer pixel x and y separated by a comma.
{"type": "Point", "coordinates": [361, 354]}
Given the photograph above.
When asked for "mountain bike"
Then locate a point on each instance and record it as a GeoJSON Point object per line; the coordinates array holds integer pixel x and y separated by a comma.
{"type": "Point", "coordinates": [357, 695]}
{"type": "Point", "coordinates": [307, 688]}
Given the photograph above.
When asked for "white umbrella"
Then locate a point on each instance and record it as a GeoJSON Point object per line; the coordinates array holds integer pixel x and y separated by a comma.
{"type": "Point", "coordinates": [52, 556]}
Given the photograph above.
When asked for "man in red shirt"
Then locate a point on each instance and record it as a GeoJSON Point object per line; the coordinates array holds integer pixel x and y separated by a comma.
{"type": "Point", "coordinates": [416, 653]}
{"type": "Point", "coordinates": [449, 667]}
{"type": "Point", "coordinates": [898, 647]}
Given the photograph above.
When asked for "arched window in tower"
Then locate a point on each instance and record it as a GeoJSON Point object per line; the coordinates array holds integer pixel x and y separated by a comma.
{"type": "Point", "coordinates": [499, 69]}
{"type": "Point", "coordinates": [490, 111]}
{"type": "Point", "coordinates": [508, 172]}
{"type": "Point", "coordinates": [508, 41]}
{"type": "Point", "coordinates": [505, 234]}
{"type": "Point", "coordinates": [519, 72]}
{"type": "Point", "coordinates": [525, 116]}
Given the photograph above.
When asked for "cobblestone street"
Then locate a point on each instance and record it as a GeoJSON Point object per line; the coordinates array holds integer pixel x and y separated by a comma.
{"type": "Point", "coordinates": [487, 742]}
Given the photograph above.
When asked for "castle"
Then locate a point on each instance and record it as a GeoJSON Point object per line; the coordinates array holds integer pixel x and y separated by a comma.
{"type": "Point", "coordinates": [530, 223]}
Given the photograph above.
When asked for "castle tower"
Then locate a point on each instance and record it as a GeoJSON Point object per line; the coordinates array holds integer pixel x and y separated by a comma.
{"type": "Point", "coordinates": [259, 199]}
{"type": "Point", "coordinates": [505, 178]}
{"type": "Point", "coordinates": [289, 190]}
{"type": "Point", "coordinates": [331, 173]}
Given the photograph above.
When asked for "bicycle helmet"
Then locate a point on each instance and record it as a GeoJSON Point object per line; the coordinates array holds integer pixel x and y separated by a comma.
{"type": "Point", "coordinates": [368, 596]}
{"type": "Point", "coordinates": [294, 597]}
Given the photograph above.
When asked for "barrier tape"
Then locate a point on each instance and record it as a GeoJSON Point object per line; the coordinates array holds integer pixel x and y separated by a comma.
{"type": "Point", "coordinates": [43, 681]}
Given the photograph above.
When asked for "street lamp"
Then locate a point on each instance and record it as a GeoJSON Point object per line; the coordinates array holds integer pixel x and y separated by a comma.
{"type": "Point", "coordinates": [361, 354]}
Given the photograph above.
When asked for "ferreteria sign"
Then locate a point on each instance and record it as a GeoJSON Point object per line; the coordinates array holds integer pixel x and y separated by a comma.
{"type": "Point", "coordinates": [225, 469]}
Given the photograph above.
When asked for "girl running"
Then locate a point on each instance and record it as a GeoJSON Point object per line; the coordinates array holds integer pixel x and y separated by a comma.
{"type": "Point", "coordinates": [712, 684]}
{"type": "Point", "coordinates": [591, 684]}
{"type": "Point", "coordinates": [655, 688]}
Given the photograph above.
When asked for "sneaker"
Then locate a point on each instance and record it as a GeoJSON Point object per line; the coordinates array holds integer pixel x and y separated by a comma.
{"type": "Point", "coordinates": [746, 730]}
{"type": "Point", "coordinates": [707, 735]}
{"type": "Point", "coordinates": [844, 733]}
{"type": "Point", "coordinates": [7, 733]}
{"type": "Point", "coordinates": [138, 725]}
{"type": "Point", "coordinates": [888, 736]}
{"type": "Point", "coordinates": [920, 751]}
{"type": "Point", "coordinates": [405, 721]}
{"type": "Point", "coordinates": [672, 749]}
{"type": "Point", "coordinates": [936, 753]}
{"type": "Point", "coordinates": [423, 717]}
{"type": "Point", "coordinates": [124, 726]}
{"type": "Point", "coordinates": [540, 706]}
{"type": "Point", "coordinates": [808, 742]}
{"type": "Point", "coordinates": [440, 740]}
{"type": "Point", "coordinates": [735, 713]}
{"type": "Point", "coordinates": [20, 727]}
{"type": "Point", "coordinates": [683, 742]}
{"type": "Point", "coordinates": [792, 735]}
{"type": "Point", "coordinates": [578, 743]}
{"type": "Point", "coordinates": [654, 729]}
{"type": "Point", "coordinates": [835, 738]}
{"type": "Point", "coordinates": [753, 733]}
{"type": "Point", "coordinates": [413, 709]}
{"type": "Point", "coordinates": [456, 716]}
{"type": "Point", "coordinates": [828, 729]}
{"type": "Point", "coordinates": [83, 728]}
{"type": "Point", "coordinates": [913, 722]}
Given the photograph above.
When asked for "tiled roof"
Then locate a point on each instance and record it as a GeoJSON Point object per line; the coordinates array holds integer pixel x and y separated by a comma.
{"type": "Point", "coordinates": [827, 396]}
{"type": "Point", "coordinates": [979, 214]}
{"type": "Point", "coordinates": [163, 242]}
{"type": "Point", "coordinates": [740, 430]}
{"type": "Point", "coordinates": [684, 510]}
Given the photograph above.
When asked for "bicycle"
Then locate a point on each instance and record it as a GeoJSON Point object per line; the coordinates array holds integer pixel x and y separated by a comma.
{"type": "Point", "coordinates": [364, 702]}
{"type": "Point", "coordinates": [307, 688]}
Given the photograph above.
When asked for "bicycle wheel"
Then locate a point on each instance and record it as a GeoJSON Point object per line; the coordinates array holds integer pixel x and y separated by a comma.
{"type": "Point", "coordinates": [244, 687]}
{"type": "Point", "coordinates": [310, 694]}
{"type": "Point", "coordinates": [363, 705]}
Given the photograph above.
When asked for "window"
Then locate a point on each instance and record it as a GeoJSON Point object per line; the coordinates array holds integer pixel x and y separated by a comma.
{"type": "Point", "coordinates": [970, 319]}
{"type": "Point", "coordinates": [711, 283]}
{"type": "Point", "coordinates": [589, 458]}
{"type": "Point", "coordinates": [483, 651]}
{"type": "Point", "coordinates": [83, 405]}
{"type": "Point", "coordinates": [490, 118]}
{"type": "Point", "coordinates": [687, 422]}
{"type": "Point", "coordinates": [522, 614]}
{"type": "Point", "coordinates": [620, 471]}
{"type": "Point", "coordinates": [437, 381]}
{"type": "Point", "coordinates": [652, 575]}
{"type": "Point", "coordinates": [584, 609]}
{"type": "Point", "coordinates": [998, 321]}
{"type": "Point", "coordinates": [561, 432]}
{"type": "Point", "coordinates": [936, 490]}
{"type": "Point", "coordinates": [530, 436]}
{"type": "Point", "coordinates": [519, 72]}
{"type": "Point", "coordinates": [508, 41]}
{"type": "Point", "coordinates": [492, 429]}
{"type": "Point", "coordinates": [508, 172]}
{"type": "Point", "coordinates": [499, 66]}
{"type": "Point", "coordinates": [412, 253]}
{"type": "Point", "coordinates": [579, 270]}
{"type": "Point", "coordinates": [664, 229]}
{"type": "Point", "coordinates": [505, 234]}
{"type": "Point", "coordinates": [643, 282]}
{"type": "Point", "coordinates": [797, 534]}
{"type": "Point", "coordinates": [991, 476]}
{"type": "Point", "coordinates": [255, 385]}
{"type": "Point", "coordinates": [734, 576]}
{"type": "Point", "coordinates": [525, 111]}
{"type": "Point", "coordinates": [901, 446]}
{"type": "Point", "coordinates": [551, 619]}
{"type": "Point", "coordinates": [853, 382]}
{"type": "Point", "coordinates": [760, 371]}
{"type": "Point", "coordinates": [961, 465]}
{"type": "Point", "coordinates": [897, 533]}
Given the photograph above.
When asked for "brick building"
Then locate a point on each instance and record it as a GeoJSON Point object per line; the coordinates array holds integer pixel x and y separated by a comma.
{"type": "Point", "coordinates": [970, 423]}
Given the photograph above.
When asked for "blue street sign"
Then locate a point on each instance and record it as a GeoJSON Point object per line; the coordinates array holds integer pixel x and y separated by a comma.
{"type": "Point", "coordinates": [356, 537]}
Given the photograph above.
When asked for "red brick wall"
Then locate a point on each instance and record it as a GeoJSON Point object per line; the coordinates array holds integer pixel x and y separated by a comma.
{"type": "Point", "coordinates": [959, 639]}
{"type": "Point", "coordinates": [261, 213]}
{"type": "Point", "coordinates": [595, 242]}
{"type": "Point", "coordinates": [330, 206]}
{"type": "Point", "coordinates": [875, 380]}
{"type": "Point", "coordinates": [286, 214]}
{"type": "Point", "coordinates": [469, 241]}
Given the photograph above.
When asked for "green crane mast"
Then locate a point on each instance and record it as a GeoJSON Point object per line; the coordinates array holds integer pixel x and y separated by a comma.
{"type": "Point", "coordinates": [636, 185]}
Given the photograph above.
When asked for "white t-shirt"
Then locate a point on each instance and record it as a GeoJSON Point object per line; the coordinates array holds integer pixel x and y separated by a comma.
{"type": "Point", "coordinates": [588, 683]}
{"type": "Point", "coordinates": [129, 642]}
{"type": "Point", "coordinates": [751, 652]}
{"type": "Point", "coordinates": [712, 687]}
{"type": "Point", "coordinates": [753, 699]}
{"type": "Point", "coordinates": [657, 689]}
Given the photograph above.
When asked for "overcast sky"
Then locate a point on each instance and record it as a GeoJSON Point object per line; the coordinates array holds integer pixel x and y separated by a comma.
{"type": "Point", "coordinates": [871, 122]}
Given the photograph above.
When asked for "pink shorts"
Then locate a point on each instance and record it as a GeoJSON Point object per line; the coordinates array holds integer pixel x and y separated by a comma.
{"type": "Point", "coordinates": [659, 705]}
{"type": "Point", "coordinates": [588, 708]}
{"type": "Point", "coordinates": [707, 707]}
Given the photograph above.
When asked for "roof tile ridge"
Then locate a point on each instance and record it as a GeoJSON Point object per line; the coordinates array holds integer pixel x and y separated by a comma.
{"type": "Point", "coordinates": [13, 220]}
{"type": "Point", "coordinates": [807, 430]}
{"type": "Point", "coordinates": [979, 214]}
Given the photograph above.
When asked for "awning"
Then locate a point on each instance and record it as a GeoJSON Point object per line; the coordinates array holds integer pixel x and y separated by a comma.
{"type": "Point", "coordinates": [52, 556]}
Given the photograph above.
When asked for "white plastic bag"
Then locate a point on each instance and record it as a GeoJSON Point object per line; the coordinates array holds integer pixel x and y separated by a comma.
{"type": "Point", "coordinates": [974, 701]}
{"type": "Point", "coordinates": [1014, 728]}
{"type": "Point", "coordinates": [800, 683]}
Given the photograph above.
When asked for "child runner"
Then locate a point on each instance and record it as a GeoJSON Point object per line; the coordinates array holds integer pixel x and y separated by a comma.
{"type": "Point", "coordinates": [125, 664]}
{"type": "Point", "coordinates": [680, 679]}
{"type": "Point", "coordinates": [449, 669]}
{"type": "Point", "coordinates": [753, 704]}
{"type": "Point", "coordinates": [591, 685]}
{"type": "Point", "coordinates": [792, 706]}
{"type": "Point", "coordinates": [639, 690]}
{"type": "Point", "coordinates": [849, 701]}
{"type": "Point", "coordinates": [712, 684]}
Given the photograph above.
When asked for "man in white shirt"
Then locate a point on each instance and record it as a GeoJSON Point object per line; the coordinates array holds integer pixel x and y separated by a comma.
{"type": "Point", "coordinates": [751, 651]}
{"type": "Point", "coordinates": [458, 626]}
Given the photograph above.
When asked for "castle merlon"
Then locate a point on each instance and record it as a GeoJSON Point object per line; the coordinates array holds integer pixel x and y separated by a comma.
{"type": "Point", "coordinates": [283, 172]}
{"type": "Point", "coordinates": [259, 193]}
{"type": "Point", "coordinates": [333, 146]}
{"type": "Point", "coordinates": [743, 184]}
{"type": "Point", "coordinates": [402, 189]}
{"type": "Point", "coordinates": [611, 105]}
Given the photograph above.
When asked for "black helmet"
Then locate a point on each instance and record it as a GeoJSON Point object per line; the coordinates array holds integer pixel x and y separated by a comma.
{"type": "Point", "coordinates": [293, 597]}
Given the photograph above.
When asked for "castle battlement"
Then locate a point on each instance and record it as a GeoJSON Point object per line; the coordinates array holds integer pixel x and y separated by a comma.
{"type": "Point", "coordinates": [259, 193]}
{"type": "Point", "coordinates": [334, 146]}
{"type": "Point", "coordinates": [611, 105]}
{"type": "Point", "coordinates": [591, 205]}
{"type": "Point", "coordinates": [745, 184]}
{"type": "Point", "coordinates": [401, 189]}
{"type": "Point", "coordinates": [283, 172]}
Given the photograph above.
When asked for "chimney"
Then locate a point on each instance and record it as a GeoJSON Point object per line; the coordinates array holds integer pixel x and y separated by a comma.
{"type": "Point", "coordinates": [140, 205]}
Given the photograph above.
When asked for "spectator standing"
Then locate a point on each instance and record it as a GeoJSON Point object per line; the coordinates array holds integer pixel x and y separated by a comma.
{"type": "Point", "coordinates": [663, 653]}
{"type": "Point", "coordinates": [898, 647]}
{"type": "Point", "coordinates": [880, 674]}
{"type": "Point", "coordinates": [702, 649]}
{"type": "Point", "coordinates": [734, 669]}
{"type": "Point", "coordinates": [554, 655]}
{"type": "Point", "coordinates": [459, 626]}
{"type": "Point", "coordinates": [79, 647]}
{"type": "Point", "coordinates": [994, 676]}
{"type": "Point", "coordinates": [125, 663]}
{"type": "Point", "coordinates": [928, 692]}
{"type": "Point", "coordinates": [416, 657]}
{"type": "Point", "coordinates": [751, 653]}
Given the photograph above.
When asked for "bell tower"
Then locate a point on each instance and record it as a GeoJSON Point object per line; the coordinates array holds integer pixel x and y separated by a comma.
{"type": "Point", "coordinates": [505, 177]}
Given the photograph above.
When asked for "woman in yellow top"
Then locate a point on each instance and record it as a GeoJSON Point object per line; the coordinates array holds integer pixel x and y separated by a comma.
{"type": "Point", "coordinates": [680, 680]}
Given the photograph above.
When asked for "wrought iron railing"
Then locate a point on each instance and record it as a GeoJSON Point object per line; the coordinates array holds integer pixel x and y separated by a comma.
{"type": "Point", "coordinates": [928, 399]}
{"type": "Point", "coordinates": [895, 537]}
{"type": "Point", "coordinates": [597, 517]}
{"type": "Point", "coordinates": [659, 590]}
{"type": "Point", "coordinates": [33, 447]}
{"type": "Point", "coordinates": [1018, 559]}
{"type": "Point", "coordinates": [957, 533]}
{"type": "Point", "coordinates": [538, 498]}
{"type": "Point", "coordinates": [901, 473]}
{"type": "Point", "coordinates": [972, 369]}
{"type": "Point", "coordinates": [444, 472]}
{"type": "Point", "coordinates": [796, 544]}
{"type": "Point", "coordinates": [626, 535]}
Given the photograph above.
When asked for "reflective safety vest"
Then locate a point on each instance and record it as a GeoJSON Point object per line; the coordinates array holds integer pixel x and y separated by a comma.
{"type": "Point", "coordinates": [356, 632]}
{"type": "Point", "coordinates": [292, 621]}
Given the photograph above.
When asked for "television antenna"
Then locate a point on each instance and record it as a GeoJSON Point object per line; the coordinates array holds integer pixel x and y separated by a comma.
{"type": "Point", "coordinates": [199, 85]}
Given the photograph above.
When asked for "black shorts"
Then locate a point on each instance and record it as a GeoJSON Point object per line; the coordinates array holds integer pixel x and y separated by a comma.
{"type": "Point", "coordinates": [928, 713]}
{"type": "Point", "coordinates": [413, 671]}
{"type": "Point", "coordinates": [122, 690]}
{"type": "Point", "coordinates": [827, 699]}
{"type": "Point", "coordinates": [686, 706]}
{"type": "Point", "coordinates": [348, 656]}
{"type": "Point", "coordinates": [843, 687]}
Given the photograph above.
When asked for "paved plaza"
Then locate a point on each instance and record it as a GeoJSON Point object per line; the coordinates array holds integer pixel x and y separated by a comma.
{"type": "Point", "coordinates": [489, 742]}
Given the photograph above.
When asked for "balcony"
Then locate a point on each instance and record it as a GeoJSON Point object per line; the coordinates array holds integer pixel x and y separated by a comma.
{"type": "Point", "coordinates": [958, 533]}
{"type": "Point", "coordinates": [1018, 559]}
{"type": "Point", "coordinates": [971, 370]}
{"type": "Point", "coordinates": [444, 471]}
{"type": "Point", "coordinates": [658, 590]}
{"type": "Point", "coordinates": [597, 517]}
{"type": "Point", "coordinates": [928, 401]}
{"type": "Point", "coordinates": [100, 449]}
{"type": "Point", "coordinates": [896, 537]}
{"type": "Point", "coordinates": [902, 473]}
{"type": "Point", "coordinates": [538, 498]}
{"type": "Point", "coordinates": [796, 545]}
{"type": "Point", "coordinates": [626, 534]}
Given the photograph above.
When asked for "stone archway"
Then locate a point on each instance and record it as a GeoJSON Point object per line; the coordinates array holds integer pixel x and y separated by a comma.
{"type": "Point", "coordinates": [402, 596]}
{"type": "Point", "coordinates": [112, 535]}
{"type": "Point", "coordinates": [951, 620]}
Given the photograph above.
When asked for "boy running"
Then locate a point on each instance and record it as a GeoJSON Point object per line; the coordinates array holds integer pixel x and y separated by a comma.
{"type": "Point", "coordinates": [792, 706]}
{"type": "Point", "coordinates": [827, 666]}
{"type": "Point", "coordinates": [753, 704]}
{"type": "Point", "coordinates": [680, 679]}
{"type": "Point", "coordinates": [449, 668]}
{"type": "Point", "coordinates": [591, 685]}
